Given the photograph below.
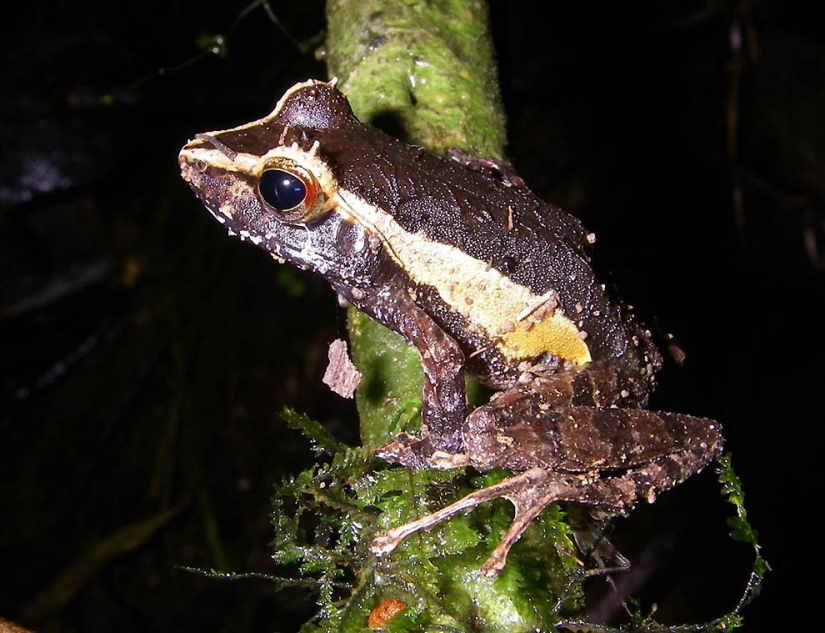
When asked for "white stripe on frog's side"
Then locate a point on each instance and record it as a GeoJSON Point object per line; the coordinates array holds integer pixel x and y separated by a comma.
{"type": "Point", "coordinates": [487, 298]}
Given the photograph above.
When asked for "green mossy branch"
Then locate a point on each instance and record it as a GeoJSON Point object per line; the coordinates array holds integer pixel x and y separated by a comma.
{"type": "Point", "coordinates": [427, 66]}
{"type": "Point", "coordinates": [426, 71]}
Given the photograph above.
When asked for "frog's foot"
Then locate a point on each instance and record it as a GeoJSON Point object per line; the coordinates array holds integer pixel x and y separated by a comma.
{"type": "Point", "coordinates": [530, 492]}
{"type": "Point", "coordinates": [416, 453]}
{"type": "Point", "coordinates": [607, 494]}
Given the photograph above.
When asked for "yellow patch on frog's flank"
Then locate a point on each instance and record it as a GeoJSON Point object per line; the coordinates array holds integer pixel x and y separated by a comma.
{"type": "Point", "coordinates": [556, 334]}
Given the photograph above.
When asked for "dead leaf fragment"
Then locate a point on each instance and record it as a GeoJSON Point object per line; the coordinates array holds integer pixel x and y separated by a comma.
{"type": "Point", "coordinates": [341, 375]}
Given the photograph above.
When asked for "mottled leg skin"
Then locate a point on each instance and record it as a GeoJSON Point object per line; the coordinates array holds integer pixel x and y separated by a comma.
{"type": "Point", "coordinates": [532, 491]}
{"type": "Point", "coordinates": [443, 398]}
{"type": "Point", "coordinates": [597, 385]}
{"type": "Point", "coordinates": [610, 495]}
{"type": "Point", "coordinates": [568, 442]}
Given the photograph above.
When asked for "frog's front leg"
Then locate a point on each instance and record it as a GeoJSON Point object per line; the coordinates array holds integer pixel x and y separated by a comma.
{"type": "Point", "coordinates": [443, 398]}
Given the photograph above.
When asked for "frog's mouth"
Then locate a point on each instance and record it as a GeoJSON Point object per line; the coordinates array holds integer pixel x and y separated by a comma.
{"type": "Point", "coordinates": [211, 185]}
{"type": "Point", "coordinates": [328, 247]}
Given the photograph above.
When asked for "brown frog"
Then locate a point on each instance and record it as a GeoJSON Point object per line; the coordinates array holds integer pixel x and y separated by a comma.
{"type": "Point", "coordinates": [458, 256]}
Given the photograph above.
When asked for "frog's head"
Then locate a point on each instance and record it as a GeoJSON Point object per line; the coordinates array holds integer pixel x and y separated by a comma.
{"type": "Point", "coordinates": [268, 183]}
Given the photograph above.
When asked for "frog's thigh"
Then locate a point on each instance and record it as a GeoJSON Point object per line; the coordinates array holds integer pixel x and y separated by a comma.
{"type": "Point", "coordinates": [443, 397]}
{"type": "Point", "coordinates": [524, 433]}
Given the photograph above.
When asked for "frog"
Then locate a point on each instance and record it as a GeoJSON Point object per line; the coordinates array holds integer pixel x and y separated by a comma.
{"type": "Point", "coordinates": [483, 278]}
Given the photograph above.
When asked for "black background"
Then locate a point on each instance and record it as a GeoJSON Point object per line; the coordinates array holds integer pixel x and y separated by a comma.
{"type": "Point", "coordinates": [145, 356]}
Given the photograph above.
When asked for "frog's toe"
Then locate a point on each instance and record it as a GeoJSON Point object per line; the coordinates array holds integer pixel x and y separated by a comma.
{"type": "Point", "coordinates": [406, 450]}
{"type": "Point", "coordinates": [416, 453]}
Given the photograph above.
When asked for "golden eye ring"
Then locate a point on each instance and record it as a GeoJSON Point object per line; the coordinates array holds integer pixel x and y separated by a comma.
{"type": "Point", "coordinates": [290, 191]}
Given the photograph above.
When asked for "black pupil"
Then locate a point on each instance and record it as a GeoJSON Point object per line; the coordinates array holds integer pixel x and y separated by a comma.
{"type": "Point", "coordinates": [281, 190]}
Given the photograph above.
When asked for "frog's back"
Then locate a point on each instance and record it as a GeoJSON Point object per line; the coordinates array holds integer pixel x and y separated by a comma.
{"type": "Point", "coordinates": [478, 215]}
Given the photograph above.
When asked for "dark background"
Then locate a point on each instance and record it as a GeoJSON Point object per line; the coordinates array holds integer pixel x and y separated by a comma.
{"type": "Point", "coordinates": [144, 355]}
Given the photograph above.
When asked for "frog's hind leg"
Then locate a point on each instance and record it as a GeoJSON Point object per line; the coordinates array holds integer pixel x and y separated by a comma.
{"type": "Point", "coordinates": [533, 490]}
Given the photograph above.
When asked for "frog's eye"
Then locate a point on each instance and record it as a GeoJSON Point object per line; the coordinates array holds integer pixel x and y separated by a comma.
{"type": "Point", "coordinates": [291, 191]}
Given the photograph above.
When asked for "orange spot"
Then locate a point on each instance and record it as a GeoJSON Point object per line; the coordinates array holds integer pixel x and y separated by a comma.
{"type": "Point", "coordinates": [385, 612]}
